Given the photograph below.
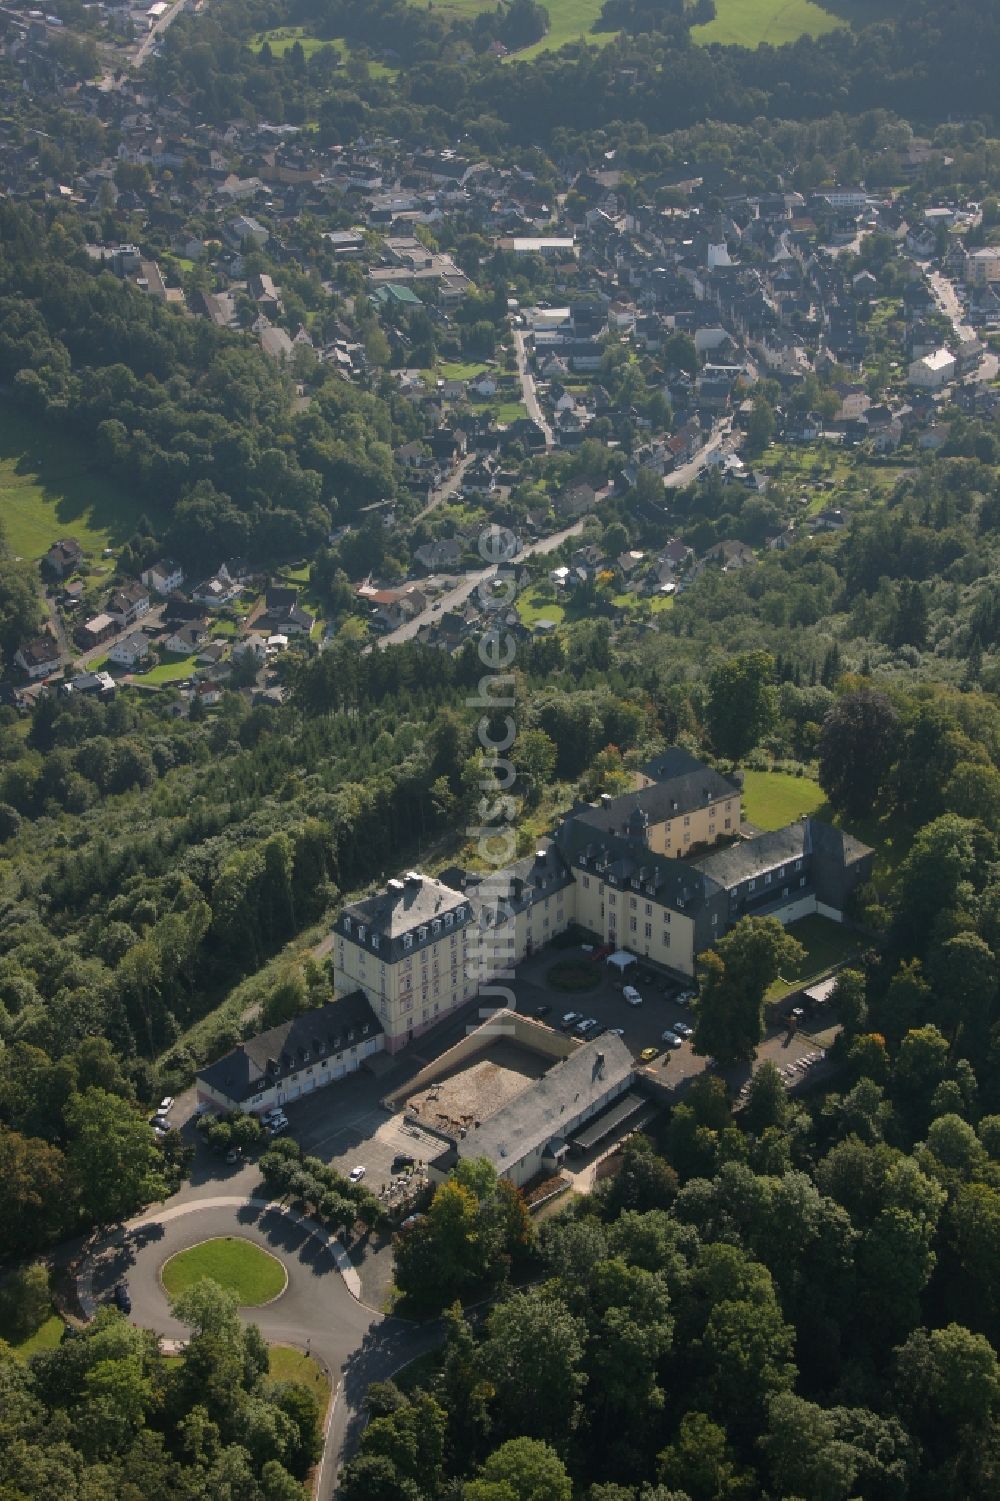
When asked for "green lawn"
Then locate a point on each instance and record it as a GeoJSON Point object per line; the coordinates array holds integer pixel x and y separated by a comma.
{"type": "Point", "coordinates": [48, 490]}
{"type": "Point", "coordinates": [287, 1364]}
{"type": "Point", "coordinates": [173, 670]}
{"type": "Point", "coordinates": [458, 369]}
{"type": "Point", "coordinates": [509, 411]}
{"type": "Point", "coordinates": [532, 607]}
{"type": "Point", "coordinates": [47, 1337]}
{"type": "Point", "coordinates": [253, 1275]}
{"type": "Point", "coordinates": [747, 23]}
{"type": "Point", "coordinates": [282, 38]}
{"type": "Point", "coordinates": [826, 943]}
{"type": "Point", "coordinates": [772, 799]}
{"type": "Point", "coordinates": [569, 21]}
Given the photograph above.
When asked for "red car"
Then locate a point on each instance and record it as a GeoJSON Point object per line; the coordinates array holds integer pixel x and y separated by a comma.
{"type": "Point", "coordinates": [602, 953]}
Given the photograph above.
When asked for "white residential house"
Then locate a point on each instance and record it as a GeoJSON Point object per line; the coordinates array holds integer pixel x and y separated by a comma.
{"type": "Point", "coordinates": [132, 650]}
{"type": "Point", "coordinates": [128, 604]}
{"type": "Point", "coordinates": [932, 371]}
{"type": "Point", "coordinates": [186, 639]}
{"type": "Point", "coordinates": [163, 577]}
{"type": "Point", "coordinates": [38, 658]}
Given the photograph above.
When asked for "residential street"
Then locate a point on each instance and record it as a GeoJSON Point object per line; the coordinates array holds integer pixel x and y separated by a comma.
{"type": "Point", "coordinates": [528, 391]}
{"type": "Point", "coordinates": [447, 490]}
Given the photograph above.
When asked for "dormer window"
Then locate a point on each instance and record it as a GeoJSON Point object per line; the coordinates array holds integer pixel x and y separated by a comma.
{"type": "Point", "coordinates": [361, 932]}
{"type": "Point", "coordinates": [449, 918]}
{"type": "Point", "coordinates": [422, 933]}
{"type": "Point", "coordinates": [407, 940]}
{"type": "Point", "coordinates": [436, 926]}
{"type": "Point", "coordinates": [375, 940]}
{"type": "Point", "coordinates": [347, 924]}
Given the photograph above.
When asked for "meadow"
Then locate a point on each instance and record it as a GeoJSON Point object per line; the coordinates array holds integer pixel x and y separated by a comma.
{"type": "Point", "coordinates": [747, 23]}
{"type": "Point", "coordinates": [48, 490]}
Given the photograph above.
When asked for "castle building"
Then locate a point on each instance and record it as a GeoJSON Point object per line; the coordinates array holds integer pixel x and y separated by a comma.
{"type": "Point", "coordinates": [663, 872]}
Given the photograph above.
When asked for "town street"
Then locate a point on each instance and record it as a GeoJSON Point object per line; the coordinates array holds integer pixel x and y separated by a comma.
{"type": "Point", "coordinates": [528, 391]}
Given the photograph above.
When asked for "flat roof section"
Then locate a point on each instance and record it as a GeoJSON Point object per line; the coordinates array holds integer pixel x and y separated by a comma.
{"type": "Point", "coordinates": [596, 1130]}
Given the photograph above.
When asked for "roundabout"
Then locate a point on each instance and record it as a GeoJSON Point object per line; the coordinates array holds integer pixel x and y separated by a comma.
{"type": "Point", "coordinates": [315, 1306]}
{"type": "Point", "coordinates": [256, 1276]}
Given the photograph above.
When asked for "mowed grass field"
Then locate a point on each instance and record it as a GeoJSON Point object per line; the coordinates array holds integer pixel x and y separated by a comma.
{"type": "Point", "coordinates": [251, 1273]}
{"type": "Point", "coordinates": [48, 491]}
{"type": "Point", "coordinates": [747, 23]}
{"type": "Point", "coordinates": [772, 799]}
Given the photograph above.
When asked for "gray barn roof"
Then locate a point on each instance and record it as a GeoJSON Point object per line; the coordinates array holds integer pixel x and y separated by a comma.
{"type": "Point", "coordinates": [553, 1106]}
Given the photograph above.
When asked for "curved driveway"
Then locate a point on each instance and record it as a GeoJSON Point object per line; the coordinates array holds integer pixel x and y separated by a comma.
{"type": "Point", "coordinates": [316, 1310]}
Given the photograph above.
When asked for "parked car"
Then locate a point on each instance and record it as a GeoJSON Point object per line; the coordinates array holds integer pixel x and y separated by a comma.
{"type": "Point", "coordinates": [274, 1114]}
{"type": "Point", "coordinates": [670, 1039]}
{"type": "Point", "coordinates": [683, 1030]}
{"type": "Point", "coordinates": [585, 1028]}
{"type": "Point", "coordinates": [276, 1126]}
{"type": "Point", "coordinates": [233, 1156]}
{"type": "Point", "coordinates": [401, 1160]}
{"type": "Point", "coordinates": [602, 953]}
{"type": "Point", "coordinates": [570, 1019]}
{"type": "Point", "coordinates": [165, 1105]}
{"type": "Point", "coordinates": [356, 1174]}
{"type": "Point", "coordinates": [632, 996]}
{"type": "Point", "coordinates": [122, 1298]}
{"type": "Point", "coordinates": [617, 1031]}
{"type": "Point", "coordinates": [684, 998]}
{"type": "Point", "coordinates": [541, 1011]}
{"type": "Point", "coordinates": [648, 1054]}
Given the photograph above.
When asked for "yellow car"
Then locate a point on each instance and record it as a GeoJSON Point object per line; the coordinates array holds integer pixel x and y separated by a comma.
{"type": "Point", "coordinates": [648, 1054]}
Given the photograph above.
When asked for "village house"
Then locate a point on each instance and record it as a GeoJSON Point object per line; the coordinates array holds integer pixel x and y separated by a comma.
{"type": "Point", "coordinates": [38, 658]}
{"type": "Point", "coordinates": [130, 651]}
{"type": "Point", "coordinates": [64, 557]}
{"type": "Point", "coordinates": [164, 576]}
{"type": "Point", "coordinates": [128, 604]}
{"type": "Point", "coordinates": [186, 640]}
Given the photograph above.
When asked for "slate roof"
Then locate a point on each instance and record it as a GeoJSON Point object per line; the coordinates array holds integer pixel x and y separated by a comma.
{"type": "Point", "coordinates": [323, 1032]}
{"type": "Point", "coordinates": [402, 909]}
{"type": "Point", "coordinates": [668, 798]}
{"type": "Point", "coordinates": [753, 857]}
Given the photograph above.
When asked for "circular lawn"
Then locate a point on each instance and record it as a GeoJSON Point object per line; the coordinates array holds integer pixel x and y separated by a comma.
{"type": "Point", "coordinates": [255, 1276]}
{"type": "Point", "coordinates": [574, 975]}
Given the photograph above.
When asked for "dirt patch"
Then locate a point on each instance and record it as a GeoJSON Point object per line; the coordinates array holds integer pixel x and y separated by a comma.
{"type": "Point", "coordinates": [472, 1094]}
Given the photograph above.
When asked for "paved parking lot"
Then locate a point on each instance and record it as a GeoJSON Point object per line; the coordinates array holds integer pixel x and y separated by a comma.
{"type": "Point", "coordinates": [642, 1026]}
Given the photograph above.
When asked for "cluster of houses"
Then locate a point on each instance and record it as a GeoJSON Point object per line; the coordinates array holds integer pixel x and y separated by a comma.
{"type": "Point", "coordinates": [158, 616]}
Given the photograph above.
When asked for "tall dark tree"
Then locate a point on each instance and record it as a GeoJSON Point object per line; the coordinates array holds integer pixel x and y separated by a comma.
{"type": "Point", "coordinates": [858, 745]}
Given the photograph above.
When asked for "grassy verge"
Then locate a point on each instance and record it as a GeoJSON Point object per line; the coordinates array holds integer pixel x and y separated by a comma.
{"type": "Point", "coordinates": [772, 799]}
{"type": "Point", "coordinates": [287, 1364]}
{"type": "Point", "coordinates": [252, 1274]}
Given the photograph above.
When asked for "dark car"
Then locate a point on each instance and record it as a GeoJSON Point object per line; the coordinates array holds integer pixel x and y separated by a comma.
{"type": "Point", "coordinates": [401, 1160]}
{"type": "Point", "coordinates": [541, 1011]}
{"type": "Point", "coordinates": [122, 1299]}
